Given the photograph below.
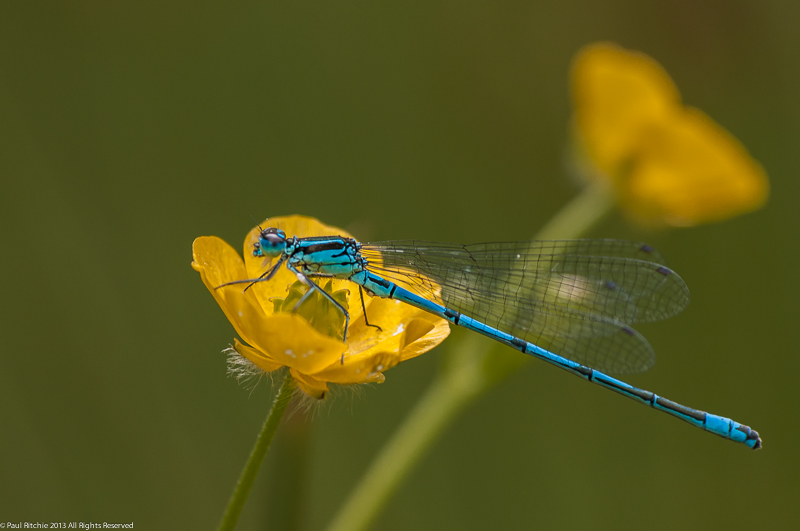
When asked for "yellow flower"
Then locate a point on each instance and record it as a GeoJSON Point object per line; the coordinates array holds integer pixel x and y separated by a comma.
{"type": "Point", "coordinates": [669, 163]}
{"type": "Point", "coordinates": [306, 341]}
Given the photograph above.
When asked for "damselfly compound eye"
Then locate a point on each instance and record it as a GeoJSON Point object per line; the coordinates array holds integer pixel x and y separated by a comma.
{"type": "Point", "coordinates": [272, 241]}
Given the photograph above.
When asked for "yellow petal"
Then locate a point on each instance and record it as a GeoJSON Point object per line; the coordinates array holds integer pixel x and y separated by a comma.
{"type": "Point", "coordinates": [406, 332]}
{"type": "Point", "coordinates": [616, 93]}
{"type": "Point", "coordinates": [417, 342]}
{"type": "Point", "coordinates": [218, 263]}
{"type": "Point", "coordinates": [291, 341]}
{"type": "Point", "coordinates": [262, 361]}
{"type": "Point", "coordinates": [691, 170]}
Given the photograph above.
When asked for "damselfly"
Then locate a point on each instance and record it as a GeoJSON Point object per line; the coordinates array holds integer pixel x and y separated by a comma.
{"type": "Point", "coordinates": [574, 297]}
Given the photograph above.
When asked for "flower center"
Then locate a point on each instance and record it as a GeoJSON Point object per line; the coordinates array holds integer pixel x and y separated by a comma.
{"type": "Point", "coordinates": [320, 313]}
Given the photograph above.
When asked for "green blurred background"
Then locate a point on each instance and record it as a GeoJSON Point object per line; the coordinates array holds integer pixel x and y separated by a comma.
{"type": "Point", "coordinates": [127, 131]}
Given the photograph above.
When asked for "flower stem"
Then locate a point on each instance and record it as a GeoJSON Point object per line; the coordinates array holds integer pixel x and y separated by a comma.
{"type": "Point", "coordinates": [466, 376]}
{"type": "Point", "coordinates": [579, 215]}
{"type": "Point", "coordinates": [283, 500]}
{"type": "Point", "coordinates": [250, 470]}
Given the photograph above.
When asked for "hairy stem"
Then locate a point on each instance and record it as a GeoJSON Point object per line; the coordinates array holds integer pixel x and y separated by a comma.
{"type": "Point", "coordinates": [253, 464]}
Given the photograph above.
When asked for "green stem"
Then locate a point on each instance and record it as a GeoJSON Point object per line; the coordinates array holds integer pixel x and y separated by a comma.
{"type": "Point", "coordinates": [250, 470]}
{"type": "Point", "coordinates": [579, 215]}
{"type": "Point", "coordinates": [283, 500]}
{"type": "Point", "coordinates": [466, 376]}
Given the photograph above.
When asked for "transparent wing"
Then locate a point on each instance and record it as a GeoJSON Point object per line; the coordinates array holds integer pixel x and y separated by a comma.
{"type": "Point", "coordinates": [576, 298]}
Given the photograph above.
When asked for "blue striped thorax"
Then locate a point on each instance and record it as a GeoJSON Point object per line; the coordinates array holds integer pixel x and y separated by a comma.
{"type": "Point", "coordinates": [329, 256]}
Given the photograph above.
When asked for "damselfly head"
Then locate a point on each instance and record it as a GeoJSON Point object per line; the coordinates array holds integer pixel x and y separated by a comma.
{"type": "Point", "coordinates": [271, 242]}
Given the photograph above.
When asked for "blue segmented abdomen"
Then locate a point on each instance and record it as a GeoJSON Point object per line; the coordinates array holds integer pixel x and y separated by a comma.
{"type": "Point", "coordinates": [721, 426]}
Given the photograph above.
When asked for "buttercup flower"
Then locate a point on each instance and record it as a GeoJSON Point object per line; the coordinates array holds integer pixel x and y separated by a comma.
{"type": "Point", "coordinates": [669, 164]}
{"type": "Point", "coordinates": [309, 341]}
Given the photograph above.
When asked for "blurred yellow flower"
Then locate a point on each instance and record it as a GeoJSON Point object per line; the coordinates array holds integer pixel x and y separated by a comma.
{"type": "Point", "coordinates": [669, 163]}
{"type": "Point", "coordinates": [306, 342]}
